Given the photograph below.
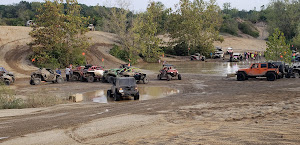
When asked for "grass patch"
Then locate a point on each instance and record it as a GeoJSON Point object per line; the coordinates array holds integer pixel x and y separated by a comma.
{"type": "Point", "coordinates": [9, 101]}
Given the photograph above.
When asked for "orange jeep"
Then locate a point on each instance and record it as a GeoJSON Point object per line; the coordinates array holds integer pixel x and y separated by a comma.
{"type": "Point", "coordinates": [268, 70]}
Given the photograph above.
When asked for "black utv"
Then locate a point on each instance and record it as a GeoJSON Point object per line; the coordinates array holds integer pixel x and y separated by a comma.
{"type": "Point", "coordinates": [123, 86]}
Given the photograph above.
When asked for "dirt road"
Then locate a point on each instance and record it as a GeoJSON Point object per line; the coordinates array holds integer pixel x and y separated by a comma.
{"type": "Point", "coordinates": [208, 110]}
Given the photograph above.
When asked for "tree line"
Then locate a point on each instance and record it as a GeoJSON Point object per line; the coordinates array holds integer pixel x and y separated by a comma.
{"type": "Point", "coordinates": [192, 27]}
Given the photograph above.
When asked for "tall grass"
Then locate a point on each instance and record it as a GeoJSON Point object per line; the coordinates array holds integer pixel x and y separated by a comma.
{"type": "Point", "coordinates": [9, 101]}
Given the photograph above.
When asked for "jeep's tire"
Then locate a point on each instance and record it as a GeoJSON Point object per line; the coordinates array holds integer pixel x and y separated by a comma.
{"type": "Point", "coordinates": [137, 96]}
{"type": "Point", "coordinates": [117, 97]}
{"type": "Point", "coordinates": [37, 81]}
{"type": "Point", "coordinates": [145, 80]}
{"type": "Point", "coordinates": [169, 77]}
{"type": "Point", "coordinates": [241, 76]}
{"type": "Point", "coordinates": [7, 82]}
{"type": "Point", "coordinates": [90, 79]}
{"type": "Point", "coordinates": [271, 76]}
{"type": "Point", "coordinates": [59, 80]}
{"type": "Point", "coordinates": [179, 76]}
{"type": "Point", "coordinates": [297, 75]}
{"type": "Point", "coordinates": [109, 93]}
{"type": "Point", "coordinates": [110, 79]}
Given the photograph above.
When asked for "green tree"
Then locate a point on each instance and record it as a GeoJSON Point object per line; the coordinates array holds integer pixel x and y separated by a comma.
{"type": "Point", "coordinates": [197, 24]}
{"type": "Point", "coordinates": [145, 31]}
{"type": "Point", "coordinates": [277, 49]}
{"type": "Point", "coordinates": [58, 34]}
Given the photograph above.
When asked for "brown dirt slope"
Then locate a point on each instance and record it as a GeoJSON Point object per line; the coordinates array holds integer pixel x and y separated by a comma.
{"type": "Point", "coordinates": [14, 51]}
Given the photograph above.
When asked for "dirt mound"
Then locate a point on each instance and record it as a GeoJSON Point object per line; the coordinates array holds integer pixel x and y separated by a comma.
{"type": "Point", "coordinates": [14, 51]}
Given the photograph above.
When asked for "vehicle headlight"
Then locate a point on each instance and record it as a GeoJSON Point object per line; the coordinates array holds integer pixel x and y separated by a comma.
{"type": "Point", "coordinates": [136, 88]}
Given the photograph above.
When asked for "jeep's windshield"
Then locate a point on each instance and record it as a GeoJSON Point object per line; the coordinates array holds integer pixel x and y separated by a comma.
{"type": "Point", "coordinates": [127, 82]}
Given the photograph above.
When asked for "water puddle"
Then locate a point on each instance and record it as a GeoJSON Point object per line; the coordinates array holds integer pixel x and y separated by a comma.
{"type": "Point", "coordinates": [146, 93]}
{"type": "Point", "coordinates": [196, 67]}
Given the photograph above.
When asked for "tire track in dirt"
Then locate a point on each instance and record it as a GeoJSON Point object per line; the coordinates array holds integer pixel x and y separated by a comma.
{"type": "Point", "coordinates": [14, 56]}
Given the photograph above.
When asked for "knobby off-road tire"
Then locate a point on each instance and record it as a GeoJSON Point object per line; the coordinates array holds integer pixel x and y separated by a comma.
{"type": "Point", "coordinates": [36, 81]}
{"type": "Point", "coordinates": [169, 77]}
{"type": "Point", "coordinates": [159, 77]}
{"type": "Point", "coordinates": [59, 80]}
{"type": "Point", "coordinates": [117, 97]}
{"type": "Point", "coordinates": [179, 76]}
{"type": "Point", "coordinates": [7, 82]}
{"type": "Point", "coordinates": [75, 78]}
{"type": "Point", "coordinates": [137, 96]}
{"type": "Point", "coordinates": [146, 80]}
{"type": "Point", "coordinates": [109, 93]}
{"type": "Point", "coordinates": [271, 76]}
{"type": "Point", "coordinates": [90, 79]}
{"type": "Point", "coordinates": [241, 76]}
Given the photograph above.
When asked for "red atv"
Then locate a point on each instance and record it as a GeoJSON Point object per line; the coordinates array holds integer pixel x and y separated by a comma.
{"type": "Point", "coordinates": [168, 72]}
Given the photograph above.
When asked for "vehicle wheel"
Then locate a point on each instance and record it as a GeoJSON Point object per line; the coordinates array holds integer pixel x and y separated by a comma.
{"type": "Point", "coordinates": [271, 76]}
{"type": "Point", "coordinates": [110, 79]}
{"type": "Point", "coordinates": [241, 76]}
{"type": "Point", "coordinates": [169, 77]}
{"type": "Point", "coordinates": [117, 97]}
{"type": "Point", "coordinates": [36, 81]}
{"type": "Point", "coordinates": [137, 96]}
{"type": "Point", "coordinates": [59, 80]}
{"type": "Point", "coordinates": [31, 82]}
{"type": "Point", "coordinates": [13, 79]}
{"type": "Point", "coordinates": [90, 79]}
{"type": "Point", "coordinates": [103, 80]}
{"type": "Point", "coordinates": [7, 82]}
{"type": "Point", "coordinates": [179, 76]}
{"type": "Point", "coordinates": [108, 93]}
{"type": "Point", "coordinates": [297, 75]}
{"type": "Point", "coordinates": [287, 76]}
{"type": "Point", "coordinates": [75, 78]}
{"type": "Point", "coordinates": [145, 80]}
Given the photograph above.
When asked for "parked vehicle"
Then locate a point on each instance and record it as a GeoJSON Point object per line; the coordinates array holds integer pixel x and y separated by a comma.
{"type": "Point", "coordinates": [268, 70]}
{"type": "Point", "coordinates": [134, 72]}
{"type": "Point", "coordinates": [109, 75]}
{"type": "Point", "coordinates": [6, 77]}
{"type": "Point", "coordinates": [46, 75]}
{"type": "Point", "coordinates": [88, 73]}
{"type": "Point", "coordinates": [168, 72]}
{"type": "Point", "coordinates": [218, 53]}
{"type": "Point", "coordinates": [91, 27]}
{"type": "Point", "coordinates": [229, 50]}
{"type": "Point", "coordinates": [236, 57]}
{"type": "Point", "coordinates": [198, 56]}
{"type": "Point", "coordinates": [123, 86]}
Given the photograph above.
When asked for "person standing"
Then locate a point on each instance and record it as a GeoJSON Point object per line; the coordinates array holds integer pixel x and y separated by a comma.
{"type": "Point", "coordinates": [58, 71]}
{"type": "Point", "coordinates": [68, 73]}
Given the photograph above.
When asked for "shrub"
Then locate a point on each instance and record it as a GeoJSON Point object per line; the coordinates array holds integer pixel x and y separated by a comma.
{"type": "Point", "coordinates": [230, 26]}
{"type": "Point", "coordinates": [116, 51]}
{"type": "Point", "coordinates": [247, 28]}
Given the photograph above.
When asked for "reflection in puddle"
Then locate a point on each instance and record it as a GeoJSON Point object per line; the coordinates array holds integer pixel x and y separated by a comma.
{"type": "Point", "coordinates": [146, 93]}
{"type": "Point", "coordinates": [198, 67]}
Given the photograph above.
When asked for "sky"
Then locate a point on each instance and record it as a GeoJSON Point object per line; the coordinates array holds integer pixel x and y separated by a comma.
{"type": "Point", "coordinates": [141, 5]}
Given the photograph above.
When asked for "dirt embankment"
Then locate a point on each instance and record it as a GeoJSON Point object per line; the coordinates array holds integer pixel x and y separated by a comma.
{"type": "Point", "coordinates": [14, 51]}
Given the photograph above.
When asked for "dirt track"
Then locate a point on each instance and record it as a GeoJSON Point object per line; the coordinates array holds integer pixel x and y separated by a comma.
{"type": "Point", "coordinates": [209, 110]}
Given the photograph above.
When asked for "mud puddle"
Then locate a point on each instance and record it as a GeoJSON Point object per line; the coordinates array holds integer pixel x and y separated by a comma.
{"type": "Point", "coordinates": [199, 67]}
{"type": "Point", "coordinates": [146, 93]}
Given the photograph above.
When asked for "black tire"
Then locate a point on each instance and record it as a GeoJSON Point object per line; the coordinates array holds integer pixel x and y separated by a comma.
{"type": "Point", "coordinates": [159, 76]}
{"type": "Point", "coordinates": [110, 79]}
{"type": "Point", "coordinates": [7, 82]}
{"type": "Point", "coordinates": [137, 96]}
{"type": "Point", "coordinates": [179, 76]}
{"type": "Point", "coordinates": [37, 81]}
{"type": "Point", "coordinates": [241, 76]}
{"type": "Point", "coordinates": [90, 79]}
{"type": "Point", "coordinates": [75, 78]}
{"type": "Point", "coordinates": [103, 80]}
{"type": "Point", "coordinates": [271, 76]}
{"type": "Point", "coordinates": [297, 75]}
{"type": "Point", "coordinates": [109, 93]}
{"type": "Point", "coordinates": [59, 80]}
{"type": "Point", "coordinates": [117, 97]}
{"type": "Point", "coordinates": [169, 77]}
{"type": "Point", "coordinates": [145, 80]}
{"type": "Point", "coordinates": [31, 82]}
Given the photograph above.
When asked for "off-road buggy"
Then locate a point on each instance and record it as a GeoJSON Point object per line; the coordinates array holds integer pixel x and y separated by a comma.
{"type": "Point", "coordinates": [109, 75]}
{"type": "Point", "coordinates": [268, 70]}
{"type": "Point", "coordinates": [123, 86]}
{"type": "Point", "coordinates": [198, 56]}
{"type": "Point", "coordinates": [6, 77]}
{"type": "Point", "coordinates": [134, 72]}
{"type": "Point", "coordinates": [46, 75]}
{"type": "Point", "coordinates": [87, 73]}
{"type": "Point", "coordinates": [168, 72]}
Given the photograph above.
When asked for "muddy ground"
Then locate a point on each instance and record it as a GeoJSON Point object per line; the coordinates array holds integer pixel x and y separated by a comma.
{"type": "Point", "coordinates": [208, 110]}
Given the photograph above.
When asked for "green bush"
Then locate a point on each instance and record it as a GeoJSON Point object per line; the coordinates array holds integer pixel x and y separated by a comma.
{"type": "Point", "coordinates": [181, 49]}
{"type": "Point", "coordinates": [230, 26]}
{"type": "Point", "coordinates": [247, 28]}
{"type": "Point", "coordinates": [116, 51]}
{"type": "Point", "coordinates": [7, 99]}
{"type": "Point", "coordinates": [168, 50]}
